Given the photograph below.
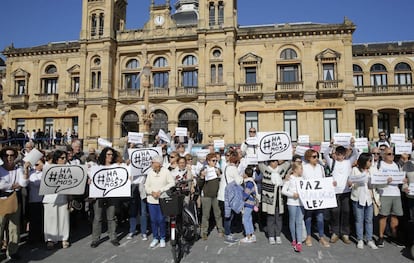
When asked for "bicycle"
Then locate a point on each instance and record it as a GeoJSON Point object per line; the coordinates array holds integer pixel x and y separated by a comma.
{"type": "Point", "coordinates": [183, 220]}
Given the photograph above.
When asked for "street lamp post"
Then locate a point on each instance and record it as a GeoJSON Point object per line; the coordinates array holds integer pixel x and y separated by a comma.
{"type": "Point", "coordinates": [147, 115]}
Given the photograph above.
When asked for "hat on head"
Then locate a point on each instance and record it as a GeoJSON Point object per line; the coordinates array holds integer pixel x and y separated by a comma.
{"type": "Point", "coordinates": [157, 159]}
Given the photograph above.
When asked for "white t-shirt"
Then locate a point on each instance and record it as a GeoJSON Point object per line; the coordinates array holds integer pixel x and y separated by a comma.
{"type": "Point", "coordinates": [389, 189]}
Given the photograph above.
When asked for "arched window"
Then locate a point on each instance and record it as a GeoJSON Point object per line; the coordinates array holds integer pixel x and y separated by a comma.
{"type": "Point", "coordinates": [96, 74]}
{"type": "Point", "coordinates": [403, 75]}
{"type": "Point", "coordinates": [130, 75]}
{"type": "Point", "coordinates": [160, 122]}
{"type": "Point", "coordinates": [378, 75]}
{"type": "Point", "coordinates": [189, 75]}
{"type": "Point", "coordinates": [50, 80]}
{"type": "Point", "coordinates": [129, 123]}
{"type": "Point", "coordinates": [189, 118]}
{"type": "Point", "coordinates": [289, 67]}
{"type": "Point", "coordinates": [160, 73]}
{"type": "Point", "coordinates": [288, 53]}
{"type": "Point", "coordinates": [358, 76]}
{"type": "Point", "coordinates": [132, 63]}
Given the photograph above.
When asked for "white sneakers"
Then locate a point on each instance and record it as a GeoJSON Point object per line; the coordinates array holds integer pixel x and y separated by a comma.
{"type": "Point", "coordinates": [251, 239]}
{"type": "Point", "coordinates": [162, 243]}
{"type": "Point", "coordinates": [144, 237]}
{"type": "Point", "coordinates": [370, 243]}
{"type": "Point", "coordinates": [272, 241]}
{"type": "Point", "coordinates": [278, 240]}
{"type": "Point", "coordinates": [154, 243]}
{"type": "Point", "coordinates": [130, 236]}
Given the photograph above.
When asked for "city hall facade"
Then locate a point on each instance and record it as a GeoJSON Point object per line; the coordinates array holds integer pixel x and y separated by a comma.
{"type": "Point", "coordinates": [193, 66]}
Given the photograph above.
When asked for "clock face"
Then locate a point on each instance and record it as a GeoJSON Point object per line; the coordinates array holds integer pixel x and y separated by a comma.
{"type": "Point", "coordinates": [159, 20]}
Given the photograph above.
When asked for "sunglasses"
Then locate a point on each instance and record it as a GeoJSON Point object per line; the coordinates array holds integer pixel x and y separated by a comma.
{"type": "Point", "coordinates": [37, 164]}
{"type": "Point", "coordinates": [190, 159]}
{"type": "Point", "coordinates": [214, 161]}
{"type": "Point", "coordinates": [9, 155]}
{"type": "Point", "coordinates": [376, 153]}
{"type": "Point", "coordinates": [62, 157]}
{"type": "Point", "coordinates": [314, 156]}
{"type": "Point", "coordinates": [389, 154]}
{"type": "Point", "coordinates": [252, 131]}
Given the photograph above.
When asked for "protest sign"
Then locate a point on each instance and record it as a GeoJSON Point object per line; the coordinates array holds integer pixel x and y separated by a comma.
{"type": "Point", "coordinates": [382, 177]}
{"type": "Point", "coordinates": [317, 193]}
{"type": "Point", "coordinates": [163, 136]}
{"type": "Point", "coordinates": [181, 131]}
{"type": "Point", "coordinates": [300, 150]}
{"type": "Point", "coordinates": [274, 146]}
{"type": "Point", "coordinates": [33, 156]}
{"type": "Point", "coordinates": [63, 179]}
{"type": "Point", "coordinates": [358, 179]}
{"type": "Point", "coordinates": [104, 143]}
{"type": "Point", "coordinates": [397, 137]}
{"type": "Point", "coordinates": [403, 147]}
{"type": "Point", "coordinates": [343, 139]}
{"type": "Point", "coordinates": [141, 160]}
{"type": "Point", "coordinates": [109, 181]}
{"type": "Point", "coordinates": [135, 137]}
{"type": "Point", "coordinates": [361, 144]}
{"type": "Point", "coordinates": [324, 146]}
{"type": "Point", "coordinates": [411, 189]}
{"type": "Point", "coordinates": [303, 139]}
{"type": "Point", "coordinates": [219, 144]}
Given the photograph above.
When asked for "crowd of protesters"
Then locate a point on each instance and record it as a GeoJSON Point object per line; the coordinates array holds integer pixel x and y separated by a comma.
{"type": "Point", "coordinates": [246, 199]}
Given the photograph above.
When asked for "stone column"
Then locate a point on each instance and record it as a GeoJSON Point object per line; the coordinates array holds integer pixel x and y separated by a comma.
{"type": "Point", "coordinates": [375, 124]}
{"type": "Point", "coordinates": [402, 121]}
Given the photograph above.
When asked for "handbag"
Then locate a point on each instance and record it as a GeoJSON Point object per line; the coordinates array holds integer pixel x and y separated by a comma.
{"type": "Point", "coordinates": [8, 204]}
{"type": "Point", "coordinates": [376, 203]}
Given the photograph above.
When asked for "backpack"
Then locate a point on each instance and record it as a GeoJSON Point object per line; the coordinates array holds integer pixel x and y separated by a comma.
{"type": "Point", "coordinates": [329, 170]}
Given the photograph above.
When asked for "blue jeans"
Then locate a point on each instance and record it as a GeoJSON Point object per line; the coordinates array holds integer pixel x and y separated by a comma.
{"type": "Point", "coordinates": [296, 222]}
{"type": "Point", "coordinates": [363, 214]}
{"type": "Point", "coordinates": [157, 221]}
{"type": "Point", "coordinates": [248, 221]}
{"type": "Point", "coordinates": [135, 204]}
{"type": "Point", "coordinates": [227, 224]}
{"type": "Point", "coordinates": [319, 221]}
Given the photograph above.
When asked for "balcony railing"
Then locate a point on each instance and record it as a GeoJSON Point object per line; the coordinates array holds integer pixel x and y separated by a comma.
{"type": "Point", "coordinates": [128, 95]}
{"type": "Point", "coordinates": [187, 91]}
{"type": "Point", "coordinates": [289, 89]}
{"type": "Point", "coordinates": [158, 93]}
{"type": "Point", "coordinates": [71, 97]}
{"type": "Point", "coordinates": [328, 85]}
{"type": "Point", "coordinates": [46, 99]}
{"type": "Point", "coordinates": [19, 100]}
{"type": "Point", "coordinates": [384, 90]}
{"type": "Point", "coordinates": [250, 90]}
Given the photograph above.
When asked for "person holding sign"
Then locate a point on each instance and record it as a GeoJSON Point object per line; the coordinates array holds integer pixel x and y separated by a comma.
{"type": "Point", "coordinates": [208, 182]}
{"type": "Point", "coordinates": [312, 169]}
{"type": "Point", "coordinates": [56, 211]}
{"type": "Point", "coordinates": [295, 207]}
{"type": "Point", "coordinates": [159, 180]}
{"type": "Point", "coordinates": [362, 197]}
{"type": "Point", "coordinates": [249, 146]}
{"type": "Point", "coordinates": [107, 157]}
{"type": "Point", "coordinates": [272, 202]}
{"type": "Point", "coordinates": [390, 197]}
{"type": "Point", "coordinates": [341, 168]}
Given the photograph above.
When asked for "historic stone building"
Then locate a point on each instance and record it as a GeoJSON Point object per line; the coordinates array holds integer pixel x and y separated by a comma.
{"type": "Point", "coordinates": [205, 72]}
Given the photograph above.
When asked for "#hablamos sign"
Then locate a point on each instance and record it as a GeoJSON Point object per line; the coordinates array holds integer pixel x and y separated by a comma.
{"type": "Point", "coordinates": [141, 159]}
{"type": "Point", "coordinates": [63, 179]}
{"type": "Point", "coordinates": [274, 146]}
{"type": "Point", "coordinates": [109, 181]}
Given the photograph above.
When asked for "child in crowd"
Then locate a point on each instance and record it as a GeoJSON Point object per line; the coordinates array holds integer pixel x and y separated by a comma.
{"type": "Point", "coordinates": [250, 195]}
{"type": "Point", "coordinates": [294, 205]}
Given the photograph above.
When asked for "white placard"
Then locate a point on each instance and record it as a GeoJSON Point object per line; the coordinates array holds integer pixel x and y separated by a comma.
{"type": "Point", "coordinates": [219, 144]}
{"type": "Point", "coordinates": [163, 136]}
{"type": "Point", "coordinates": [141, 160]}
{"type": "Point", "coordinates": [251, 159]}
{"type": "Point", "coordinates": [274, 146]}
{"type": "Point", "coordinates": [300, 150]}
{"type": "Point", "coordinates": [251, 140]}
{"type": "Point", "coordinates": [361, 144]}
{"type": "Point", "coordinates": [343, 139]}
{"type": "Point", "coordinates": [109, 181]}
{"type": "Point", "coordinates": [382, 177]}
{"type": "Point", "coordinates": [403, 147]}
{"type": "Point", "coordinates": [181, 131]}
{"type": "Point", "coordinates": [33, 156]}
{"type": "Point", "coordinates": [135, 137]}
{"type": "Point", "coordinates": [63, 179]}
{"type": "Point", "coordinates": [317, 193]}
{"type": "Point", "coordinates": [303, 139]}
{"type": "Point", "coordinates": [411, 189]}
{"type": "Point", "coordinates": [324, 146]}
{"type": "Point", "coordinates": [202, 153]}
{"type": "Point", "coordinates": [104, 143]}
{"type": "Point", "coordinates": [397, 137]}
{"type": "Point", "coordinates": [358, 179]}
{"type": "Point", "coordinates": [210, 173]}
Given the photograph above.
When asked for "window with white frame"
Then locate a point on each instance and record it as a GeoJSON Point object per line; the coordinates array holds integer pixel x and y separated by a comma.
{"type": "Point", "coordinates": [290, 120]}
{"type": "Point", "coordinates": [131, 75]}
{"type": "Point", "coordinates": [358, 76]}
{"type": "Point", "coordinates": [50, 80]}
{"type": "Point", "coordinates": [378, 75]}
{"type": "Point", "coordinates": [330, 124]}
{"type": "Point", "coordinates": [403, 75]}
{"type": "Point", "coordinates": [289, 66]}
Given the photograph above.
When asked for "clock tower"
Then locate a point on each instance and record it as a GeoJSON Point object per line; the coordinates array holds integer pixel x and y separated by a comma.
{"type": "Point", "coordinates": [160, 15]}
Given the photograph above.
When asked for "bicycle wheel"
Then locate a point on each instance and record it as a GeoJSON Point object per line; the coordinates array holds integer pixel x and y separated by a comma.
{"type": "Point", "coordinates": [177, 249]}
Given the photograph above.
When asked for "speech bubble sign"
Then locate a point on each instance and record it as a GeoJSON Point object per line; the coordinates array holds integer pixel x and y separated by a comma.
{"type": "Point", "coordinates": [63, 179]}
{"type": "Point", "coordinates": [141, 159]}
{"type": "Point", "coordinates": [274, 146]}
{"type": "Point", "coordinates": [108, 179]}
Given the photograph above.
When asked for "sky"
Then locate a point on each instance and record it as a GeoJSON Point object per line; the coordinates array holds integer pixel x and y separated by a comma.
{"type": "Point", "coordinates": [27, 23]}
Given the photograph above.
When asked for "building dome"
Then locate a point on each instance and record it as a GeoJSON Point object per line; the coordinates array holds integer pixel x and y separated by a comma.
{"type": "Point", "coordinates": [186, 12]}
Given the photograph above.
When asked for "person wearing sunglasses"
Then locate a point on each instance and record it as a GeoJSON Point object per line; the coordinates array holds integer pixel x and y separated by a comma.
{"type": "Point", "coordinates": [249, 146]}
{"type": "Point", "coordinates": [12, 179]}
{"type": "Point", "coordinates": [390, 198]}
{"type": "Point", "coordinates": [312, 169]}
{"type": "Point", "coordinates": [208, 182]}
{"type": "Point", "coordinates": [383, 140]}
